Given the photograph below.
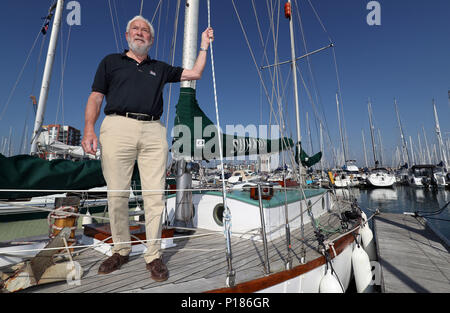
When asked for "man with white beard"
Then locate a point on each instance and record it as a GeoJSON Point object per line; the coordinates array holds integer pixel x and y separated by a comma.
{"type": "Point", "coordinates": [133, 84]}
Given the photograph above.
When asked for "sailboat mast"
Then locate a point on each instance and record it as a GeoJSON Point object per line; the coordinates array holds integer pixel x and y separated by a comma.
{"type": "Point", "coordinates": [190, 39]}
{"type": "Point", "coordinates": [369, 108]}
{"type": "Point", "coordinates": [321, 146]}
{"type": "Point", "coordinates": [47, 76]}
{"type": "Point", "coordinates": [364, 145]}
{"type": "Point", "coordinates": [439, 136]}
{"type": "Point", "coordinates": [340, 129]}
{"type": "Point", "coordinates": [381, 147]}
{"type": "Point", "coordinates": [404, 145]}
{"type": "Point", "coordinates": [294, 78]}
{"type": "Point", "coordinates": [413, 160]}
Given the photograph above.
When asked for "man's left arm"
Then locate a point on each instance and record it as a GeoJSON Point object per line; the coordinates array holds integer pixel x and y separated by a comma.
{"type": "Point", "coordinates": [196, 72]}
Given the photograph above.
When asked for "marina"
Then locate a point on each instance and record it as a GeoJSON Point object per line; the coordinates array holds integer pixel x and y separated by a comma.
{"type": "Point", "coordinates": [290, 203]}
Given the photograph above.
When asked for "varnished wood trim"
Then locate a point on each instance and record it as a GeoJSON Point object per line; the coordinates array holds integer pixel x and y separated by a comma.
{"type": "Point", "coordinates": [277, 278]}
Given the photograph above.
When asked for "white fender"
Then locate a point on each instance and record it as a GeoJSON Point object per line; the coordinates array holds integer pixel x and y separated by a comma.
{"type": "Point", "coordinates": [137, 209]}
{"type": "Point", "coordinates": [87, 219]}
{"type": "Point", "coordinates": [368, 241]}
{"type": "Point", "coordinates": [363, 216]}
{"type": "Point", "coordinates": [330, 284]}
{"type": "Point", "coordinates": [362, 269]}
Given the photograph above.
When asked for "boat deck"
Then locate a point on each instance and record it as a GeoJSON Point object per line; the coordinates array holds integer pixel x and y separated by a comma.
{"type": "Point", "coordinates": [196, 264]}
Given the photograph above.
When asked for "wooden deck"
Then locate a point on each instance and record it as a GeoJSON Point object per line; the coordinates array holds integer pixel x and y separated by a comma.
{"type": "Point", "coordinates": [412, 257]}
{"type": "Point", "coordinates": [196, 264]}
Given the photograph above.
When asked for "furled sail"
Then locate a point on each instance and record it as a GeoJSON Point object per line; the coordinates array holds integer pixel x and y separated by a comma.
{"type": "Point", "coordinates": [196, 136]}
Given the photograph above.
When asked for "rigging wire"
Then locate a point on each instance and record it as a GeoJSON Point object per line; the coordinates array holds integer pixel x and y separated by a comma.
{"type": "Point", "coordinates": [63, 69]}
{"type": "Point", "coordinates": [172, 51]}
{"type": "Point", "coordinates": [259, 72]}
{"type": "Point", "coordinates": [20, 75]}
{"type": "Point", "coordinates": [142, 7]}
{"type": "Point", "coordinates": [113, 26]}
{"type": "Point", "coordinates": [117, 23]}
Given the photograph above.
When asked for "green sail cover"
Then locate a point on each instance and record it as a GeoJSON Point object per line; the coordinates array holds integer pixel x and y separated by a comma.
{"type": "Point", "coordinates": [33, 173]}
{"type": "Point", "coordinates": [307, 160]}
{"type": "Point", "coordinates": [196, 136]}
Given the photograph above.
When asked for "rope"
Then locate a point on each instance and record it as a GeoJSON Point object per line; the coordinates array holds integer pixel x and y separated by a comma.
{"type": "Point", "coordinates": [227, 215]}
{"type": "Point", "coordinates": [62, 212]}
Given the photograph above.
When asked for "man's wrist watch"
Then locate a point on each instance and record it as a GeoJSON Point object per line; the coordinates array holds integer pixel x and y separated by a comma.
{"type": "Point", "coordinates": [203, 49]}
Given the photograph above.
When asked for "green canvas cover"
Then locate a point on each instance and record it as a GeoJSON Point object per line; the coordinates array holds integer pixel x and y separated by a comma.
{"type": "Point", "coordinates": [33, 173]}
{"type": "Point", "coordinates": [196, 136]}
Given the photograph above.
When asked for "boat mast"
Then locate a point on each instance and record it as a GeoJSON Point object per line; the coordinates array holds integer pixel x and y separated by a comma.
{"type": "Point", "coordinates": [321, 147]}
{"type": "Point", "coordinates": [439, 137]}
{"type": "Point", "coordinates": [402, 136]}
{"type": "Point", "coordinates": [294, 78]}
{"type": "Point", "coordinates": [421, 154]}
{"type": "Point", "coordinates": [364, 145]}
{"type": "Point", "coordinates": [340, 129]}
{"type": "Point", "coordinates": [413, 160]}
{"type": "Point", "coordinates": [190, 39]}
{"type": "Point", "coordinates": [381, 147]}
{"type": "Point", "coordinates": [369, 108]}
{"type": "Point", "coordinates": [47, 76]}
{"type": "Point", "coordinates": [288, 14]}
{"type": "Point", "coordinates": [426, 145]}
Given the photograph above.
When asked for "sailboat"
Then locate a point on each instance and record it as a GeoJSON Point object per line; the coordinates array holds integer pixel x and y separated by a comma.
{"type": "Point", "coordinates": [349, 176]}
{"type": "Point", "coordinates": [431, 175]}
{"type": "Point", "coordinates": [378, 176]}
{"type": "Point", "coordinates": [260, 239]}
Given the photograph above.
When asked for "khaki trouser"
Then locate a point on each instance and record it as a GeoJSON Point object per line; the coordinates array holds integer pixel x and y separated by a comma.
{"type": "Point", "coordinates": [123, 141]}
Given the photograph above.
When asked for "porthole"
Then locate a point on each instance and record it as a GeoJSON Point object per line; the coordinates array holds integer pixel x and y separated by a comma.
{"type": "Point", "coordinates": [218, 214]}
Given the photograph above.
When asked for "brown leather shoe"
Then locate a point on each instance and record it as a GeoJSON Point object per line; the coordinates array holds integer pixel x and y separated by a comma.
{"type": "Point", "coordinates": [112, 263]}
{"type": "Point", "coordinates": [158, 270]}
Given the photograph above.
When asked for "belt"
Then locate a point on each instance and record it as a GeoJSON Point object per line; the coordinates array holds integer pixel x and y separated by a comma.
{"type": "Point", "coordinates": [139, 116]}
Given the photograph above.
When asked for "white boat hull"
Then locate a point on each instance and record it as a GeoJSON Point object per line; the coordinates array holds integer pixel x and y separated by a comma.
{"type": "Point", "coordinates": [309, 282]}
{"type": "Point", "coordinates": [246, 216]}
{"type": "Point", "coordinates": [381, 180]}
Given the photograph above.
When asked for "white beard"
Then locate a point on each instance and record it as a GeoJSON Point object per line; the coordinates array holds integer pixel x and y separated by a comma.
{"type": "Point", "coordinates": [138, 49]}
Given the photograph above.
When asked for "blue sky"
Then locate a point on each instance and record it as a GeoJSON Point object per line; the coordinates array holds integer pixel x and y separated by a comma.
{"type": "Point", "coordinates": [406, 57]}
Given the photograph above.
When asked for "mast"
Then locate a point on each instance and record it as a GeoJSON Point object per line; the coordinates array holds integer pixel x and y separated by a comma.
{"type": "Point", "coordinates": [439, 137]}
{"type": "Point", "coordinates": [47, 76]}
{"type": "Point", "coordinates": [369, 108]}
{"type": "Point", "coordinates": [321, 147]}
{"type": "Point", "coordinates": [381, 147]}
{"type": "Point", "coordinates": [421, 155]}
{"type": "Point", "coordinates": [413, 160]}
{"type": "Point", "coordinates": [402, 136]}
{"type": "Point", "coordinates": [426, 145]}
{"type": "Point", "coordinates": [340, 129]}
{"type": "Point", "coordinates": [287, 13]}
{"type": "Point", "coordinates": [364, 145]}
{"type": "Point", "coordinates": [294, 78]}
{"type": "Point", "coordinates": [190, 39]}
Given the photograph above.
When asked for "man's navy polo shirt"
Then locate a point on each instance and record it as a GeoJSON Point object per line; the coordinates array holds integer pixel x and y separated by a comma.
{"type": "Point", "coordinates": [133, 87]}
